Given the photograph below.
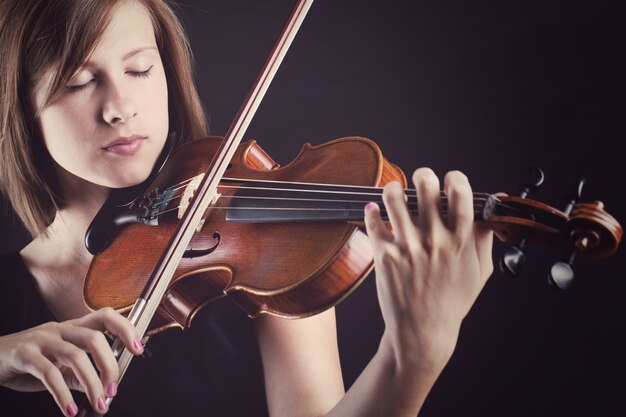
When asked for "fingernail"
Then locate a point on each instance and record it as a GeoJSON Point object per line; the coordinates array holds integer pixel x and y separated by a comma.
{"type": "Point", "coordinates": [138, 344]}
{"type": "Point", "coordinates": [369, 206]}
{"type": "Point", "coordinates": [102, 404]}
{"type": "Point", "coordinates": [112, 389]}
{"type": "Point", "coordinates": [71, 409]}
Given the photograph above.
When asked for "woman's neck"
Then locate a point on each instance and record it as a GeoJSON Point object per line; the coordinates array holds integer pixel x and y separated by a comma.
{"type": "Point", "coordinates": [81, 202]}
{"type": "Point", "coordinates": [58, 258]}
{"type": "Point", "coordinates": [79, 208]}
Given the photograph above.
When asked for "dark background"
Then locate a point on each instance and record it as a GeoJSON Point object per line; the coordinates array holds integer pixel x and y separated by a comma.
{"type": "Point", "coordinates": [486, 87]}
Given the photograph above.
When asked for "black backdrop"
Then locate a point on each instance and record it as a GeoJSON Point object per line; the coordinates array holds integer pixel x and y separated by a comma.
{"type": "Point", "coordinates": [487, 87]}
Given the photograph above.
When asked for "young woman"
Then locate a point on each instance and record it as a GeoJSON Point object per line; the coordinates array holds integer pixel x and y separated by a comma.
{"type": "Point", "coordinates": [90, 91]}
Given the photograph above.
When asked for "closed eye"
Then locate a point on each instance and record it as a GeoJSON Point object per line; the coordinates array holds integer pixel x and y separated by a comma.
{"type": "Point", "coordinates": [77, 88]}
{"type": "Point", "coordinates": [140, 74]}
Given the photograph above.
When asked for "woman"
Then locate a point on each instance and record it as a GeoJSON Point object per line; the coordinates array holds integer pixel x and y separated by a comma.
{"type": "Point", "coordinates": [90, 92]}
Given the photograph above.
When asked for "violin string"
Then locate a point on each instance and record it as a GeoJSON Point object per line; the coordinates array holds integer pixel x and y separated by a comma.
{"type": "Point", "coordinates": [305, 190]}
{"type": "Point", "coordinates": [410, 204]}
{"type": "Point", "coordinates": [410, 192]}
{"type": "Point", "coordinates": [244, 180]}
{"type": "Point", "coordinates": [478, 197]}
{"type": "Point", "coordinates": [444, 202]}
{"type": "Point", "coordinates": [378, 190]}
{"type": "Point", "coordinates": [171, 189]}
{"type": "Point", "coordinates": [305, 209]}
{"type": "Point", "coordinates": [253, 181]}
{"type": "Point", "coordinates": [341, 188]}
{"type": "Point", "coordinates": [413, 207]}
{"type": "Point", "coordinates": [179, 185]}
{"type": "Point", "coordinates": [383, 212]}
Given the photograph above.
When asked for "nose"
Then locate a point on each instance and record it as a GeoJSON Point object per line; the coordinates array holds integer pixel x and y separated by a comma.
{"type": "Point", "coordinates": [118, 106]}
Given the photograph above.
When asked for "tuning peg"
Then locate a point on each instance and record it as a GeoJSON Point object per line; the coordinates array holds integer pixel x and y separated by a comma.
{"type": "Point", "coordinates": [513, 260]}
{"type": "Point", "coordinates": [531, 180]}
{"type": "Point", "coordinates": [574, 195]}
{"type": "Point", "coordinates": [562, 272]}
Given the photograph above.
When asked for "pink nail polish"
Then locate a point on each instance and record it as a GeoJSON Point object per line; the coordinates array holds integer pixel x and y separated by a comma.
{"type": "Point", "coordinates": [138, 344]}
{"type": "Point", "coordinates": [369, 206]}
{"type": "Point", "coordinates": [71, 409]}
{"type": "Point", "coordinates": [102, 404]}
{"type": "Point", "coordinates": [112, 389]}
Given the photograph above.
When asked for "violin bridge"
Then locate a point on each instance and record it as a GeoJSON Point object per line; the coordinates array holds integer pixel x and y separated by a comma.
{"type": "Point", "coordinates": [199, 226]}
{"type": "Point", "coordinates": [214, 199]}
{"type": "Point", "coordinates": [190, 191]}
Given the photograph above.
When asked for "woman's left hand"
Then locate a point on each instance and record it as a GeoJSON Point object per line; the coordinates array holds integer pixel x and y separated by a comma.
{"type": "Point", "coordinates": [430, 268]}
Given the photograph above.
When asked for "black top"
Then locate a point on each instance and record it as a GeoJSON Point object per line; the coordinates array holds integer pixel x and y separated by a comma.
{"type": "Point", "coordinates": [212, 369]}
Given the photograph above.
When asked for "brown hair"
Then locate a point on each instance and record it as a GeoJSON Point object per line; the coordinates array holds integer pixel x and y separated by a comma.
{"type": "Point", "coordinates": [37, 36]}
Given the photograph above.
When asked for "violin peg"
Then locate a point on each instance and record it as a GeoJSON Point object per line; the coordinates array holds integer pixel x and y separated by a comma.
{"type": "Point", "coordinates": [530, 181]}
{"type": "Point", "coordinates": [513, 261]}
{"type": "Point", "coordinates": [574, 195]}
{"type": "Point", "coordinates": [561, 274]}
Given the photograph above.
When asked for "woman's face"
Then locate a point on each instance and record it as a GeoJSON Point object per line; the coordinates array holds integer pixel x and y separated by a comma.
{"type": "Point", "coordinates": [110, 122]}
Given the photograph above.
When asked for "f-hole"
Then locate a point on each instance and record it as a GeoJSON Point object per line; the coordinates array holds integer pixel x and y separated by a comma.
{"type": "Point", "coordinates": [195, 253]}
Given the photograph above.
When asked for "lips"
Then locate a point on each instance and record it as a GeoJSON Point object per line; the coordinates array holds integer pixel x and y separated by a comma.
{"type": "Point", "coordinates": [125, 145]}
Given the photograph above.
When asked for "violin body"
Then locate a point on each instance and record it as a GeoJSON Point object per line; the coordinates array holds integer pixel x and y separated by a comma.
{"type": "Point", "coordinates": [289, 268]}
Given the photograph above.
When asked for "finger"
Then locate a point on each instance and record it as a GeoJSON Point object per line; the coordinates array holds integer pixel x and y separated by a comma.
{"type": "Point", "coordinates": [107, 319]}
{"type": "Point", "coordinates": [71, 356]}
{"type": "Point", "coordinates": [95, 342]}
{"type": "Point", "coordinates": [70, 379]}
{"type": "Point", "coordinates": [386, 252]}
{"type": "Point", "coordinates": [483, 238]}
{"type": "Point", "coordinates": [374, 225]}
{"type": "Point", "coordinates": [44, 370]}
{"type": "Point", "coordinates": [398, 212]}
{"type": "Point", "coordinates": [460, 204]}
{"type": "Point", "coordinates": [429, 199]}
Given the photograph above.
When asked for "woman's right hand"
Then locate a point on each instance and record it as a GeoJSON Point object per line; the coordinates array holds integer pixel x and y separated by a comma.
{"type": "Point", "coordinates": [53, 356]}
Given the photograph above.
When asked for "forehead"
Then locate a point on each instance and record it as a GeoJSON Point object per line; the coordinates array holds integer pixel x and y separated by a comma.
{"type": "Point", "coordinates": [130, 27]}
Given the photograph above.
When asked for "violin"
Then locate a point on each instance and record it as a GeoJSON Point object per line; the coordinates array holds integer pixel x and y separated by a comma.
{"type": "Point", "coordinates": [289, 241]}
{"type": "Point", "coordinates": [222, 218]}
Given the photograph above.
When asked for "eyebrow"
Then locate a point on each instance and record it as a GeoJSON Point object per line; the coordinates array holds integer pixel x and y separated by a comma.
{"type": "Point", "coordinates": [136, 51]}
{"type": "Point", "coordinates": [126, 56]}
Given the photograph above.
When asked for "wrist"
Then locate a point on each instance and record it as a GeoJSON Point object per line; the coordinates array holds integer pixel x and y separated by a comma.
{"type": "Point", "coordinates": [424, 352]}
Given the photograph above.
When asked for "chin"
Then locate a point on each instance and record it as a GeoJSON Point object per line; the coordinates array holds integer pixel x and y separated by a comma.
{"type": "Point", "coordinates": [129, 179]}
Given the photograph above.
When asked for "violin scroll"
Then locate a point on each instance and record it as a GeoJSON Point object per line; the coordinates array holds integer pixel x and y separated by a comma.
{"type": "Point", "coordinates": [581, 231]}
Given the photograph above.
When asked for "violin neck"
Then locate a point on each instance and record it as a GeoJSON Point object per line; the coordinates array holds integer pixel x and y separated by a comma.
{"type": "Point", "coordinates": [271, 202]}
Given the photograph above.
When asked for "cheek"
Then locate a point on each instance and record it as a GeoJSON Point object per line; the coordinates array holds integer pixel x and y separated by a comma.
{"type": "Point", "coordinates": [157, 104]}
{"type": "Point", "coordinates": [61, 130]}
